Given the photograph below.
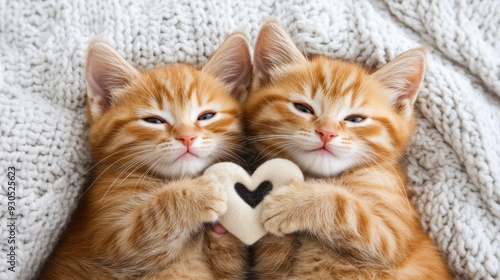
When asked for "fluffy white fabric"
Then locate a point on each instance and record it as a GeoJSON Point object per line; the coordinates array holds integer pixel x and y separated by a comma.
{"type": "Point", "coordinates": [454, 162]}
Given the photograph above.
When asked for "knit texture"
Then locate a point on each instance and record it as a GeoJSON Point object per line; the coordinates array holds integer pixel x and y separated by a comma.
{"type": "Point", "coordinates": [454, 162]}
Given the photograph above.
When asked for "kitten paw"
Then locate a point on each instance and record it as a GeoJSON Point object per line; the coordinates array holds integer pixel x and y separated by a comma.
{"type": "Point", "coordinates": [211, 199]}
{"type": "Point", "coordinates": [281, 213]}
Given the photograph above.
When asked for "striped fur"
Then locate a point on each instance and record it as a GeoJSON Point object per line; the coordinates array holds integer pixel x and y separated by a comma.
{"type": "Point", "coordinates": [347, 128]}
{"type": "Point", "coordinates": [146, 215]}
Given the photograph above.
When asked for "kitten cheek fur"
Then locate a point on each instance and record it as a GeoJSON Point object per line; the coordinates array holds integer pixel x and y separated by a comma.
{"type": "Point", "coordinates": [359, 222]}
{"type": "Point", "coordinates": [136, 220]}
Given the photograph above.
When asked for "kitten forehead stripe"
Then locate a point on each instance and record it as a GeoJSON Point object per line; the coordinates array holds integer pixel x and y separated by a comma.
{"type": "Point", "coordinates": [349, 81]}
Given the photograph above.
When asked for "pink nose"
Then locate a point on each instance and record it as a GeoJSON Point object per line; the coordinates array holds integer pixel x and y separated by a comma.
{"type": "Point", "coordinates": [326, 134]}
{"type": "Point", "coordinates": [187, 139]}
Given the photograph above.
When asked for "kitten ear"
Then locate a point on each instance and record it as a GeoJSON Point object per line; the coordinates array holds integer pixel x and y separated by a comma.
{"type": "Point", "coordinates": [105, 71]}
{"type": "Point", "coordinates": [232, 64]}
{"type": "Point", "coordinates": [403, 76]}
{"type": "Point", "coordinates": [273, 49]}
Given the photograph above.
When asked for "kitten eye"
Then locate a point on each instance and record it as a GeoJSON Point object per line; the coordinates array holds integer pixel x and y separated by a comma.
{"type": "Point", "coordinates": [355, 119]}
{"type": "Point", "coordinates": [206, 116]}
{"type": "Point", "coordinates": [303, 108]}
{"type": "Point", "coordinates": [154, 120]}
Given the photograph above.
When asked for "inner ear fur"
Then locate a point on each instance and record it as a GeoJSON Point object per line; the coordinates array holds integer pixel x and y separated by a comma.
{"type": "Point", "coordinates": [232, 64]}
{"type": "Point", "coordinates": [403, 77]}
{"type": "Point", "coordinates": [105, 71]}
{"type": "Point", "coordinates": [274, 49]}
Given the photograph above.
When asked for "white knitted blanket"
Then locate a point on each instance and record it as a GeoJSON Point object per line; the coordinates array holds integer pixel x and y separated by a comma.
{"type": "Point", "coordinates": [454, 163]}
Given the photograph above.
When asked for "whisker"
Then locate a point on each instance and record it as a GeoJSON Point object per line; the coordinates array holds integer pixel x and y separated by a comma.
{"type": "Point", "coordinates": [110, 155]}
{"type": "Point", "coordinates": [108, 167]}
{"type": "Point", "coordinates": [136, 161]}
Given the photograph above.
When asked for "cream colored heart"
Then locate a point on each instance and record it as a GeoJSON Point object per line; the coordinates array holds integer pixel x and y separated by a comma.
{"type": "Point", "coordinates": [245, 193]}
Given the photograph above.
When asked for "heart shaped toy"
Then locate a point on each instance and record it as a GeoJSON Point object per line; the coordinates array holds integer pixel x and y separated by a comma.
{"type": "Point", "coordinates": [245, 194]}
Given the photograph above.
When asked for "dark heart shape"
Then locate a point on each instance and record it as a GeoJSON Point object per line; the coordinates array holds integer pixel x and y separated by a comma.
{"type": "Point", "coordinates": [253, 198]}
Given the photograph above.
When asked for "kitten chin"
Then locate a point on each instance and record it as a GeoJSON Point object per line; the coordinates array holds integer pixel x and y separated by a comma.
{"type": "Point", "coordinates": [186, 166]}
{"type": "Point", "coordinates": [321, 163]}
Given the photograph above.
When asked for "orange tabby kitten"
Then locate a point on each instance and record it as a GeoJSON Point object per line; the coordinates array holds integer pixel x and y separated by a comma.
{"type": "Point", "coordinates": [146, 215]}
{"type": "Point", "coordinates": [347, 129]}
